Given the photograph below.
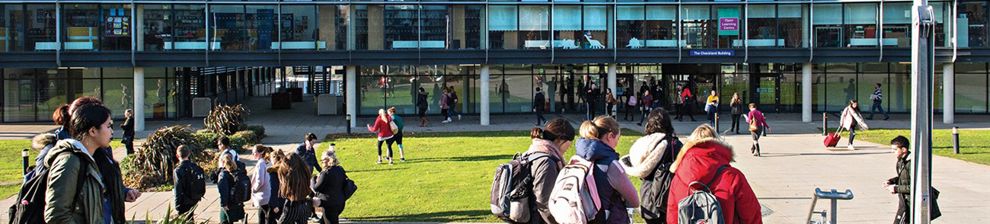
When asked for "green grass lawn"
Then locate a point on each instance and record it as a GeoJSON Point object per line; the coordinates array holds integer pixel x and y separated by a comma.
{"type": "Point", "coordinates": [447, 176]}
{"type": "Point", "coordinates": [10, 164]}
{"type": "Point", "coordinates": [974, 145]}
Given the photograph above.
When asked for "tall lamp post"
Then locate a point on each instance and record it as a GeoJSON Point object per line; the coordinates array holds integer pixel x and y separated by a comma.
{"type": "Point", "coordinates": [922, 72]}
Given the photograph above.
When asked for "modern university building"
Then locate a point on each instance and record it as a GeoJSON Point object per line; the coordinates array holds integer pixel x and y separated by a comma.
{"type": "Point", "coordinates": [173, 57]}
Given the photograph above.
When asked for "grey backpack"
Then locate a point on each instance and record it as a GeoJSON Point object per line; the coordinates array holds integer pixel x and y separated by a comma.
{"type": "Point", "coordinates": [701, 207]}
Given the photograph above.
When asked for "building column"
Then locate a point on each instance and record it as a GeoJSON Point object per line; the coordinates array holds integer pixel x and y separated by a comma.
{"type": "Point", "coordinates": [948, 93]}
{"type": "Point", "coordinates": [612, 83]}
{"type": "Point", "coordinates": [485, 96]}
{"type": "Point", "coordinates": [806, 92]}
{"type": "Point", "coordinates": [138, 99]}
{"type": "Point", "coordinates": [351, 94]}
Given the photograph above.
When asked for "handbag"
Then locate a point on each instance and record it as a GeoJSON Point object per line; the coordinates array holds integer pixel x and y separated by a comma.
{"type": "Point", "coordinates": [349, 188]}
{"type": "Point", "coordinates": [752, 125]}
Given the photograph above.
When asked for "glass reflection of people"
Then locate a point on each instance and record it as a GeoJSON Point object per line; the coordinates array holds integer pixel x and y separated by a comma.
{"type": "Point", "coordinates": [851, 89]}
{"type": "Point", "coordinates": [552, 93]}
{"type": "Point", "coordinates": [162, 91]}
{"type": "Point", "coordinates": [125, 96]}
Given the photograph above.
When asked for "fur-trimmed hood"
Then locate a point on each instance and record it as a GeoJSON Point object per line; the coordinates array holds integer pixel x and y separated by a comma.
{"type": "Point", "coordinates": [40, 141]}
{"type": "Point", "coordinates": [645, 154]}
{"type": "Point", "coordinates": [702, 157]}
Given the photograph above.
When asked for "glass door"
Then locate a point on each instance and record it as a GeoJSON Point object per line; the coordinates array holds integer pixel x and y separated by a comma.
{"type": "Point", "coordinates": [766, 91]}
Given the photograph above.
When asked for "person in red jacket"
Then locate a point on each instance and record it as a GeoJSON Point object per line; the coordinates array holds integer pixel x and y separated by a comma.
{"type": "Point", "coordinates": [385, 133]}
{"type": "Point", "coordinates": [698, 160]}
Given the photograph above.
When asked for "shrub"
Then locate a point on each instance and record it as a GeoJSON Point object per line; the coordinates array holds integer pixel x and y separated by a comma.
{"type": "Point", "coordinates": [248, 136]}
{"type": "Point", "coordinates": [206, 138]}
{"type": "Point", "coordinates": [154, 161]}
{"type": "Point", "coordinates": [259, 130]}
{"type": "Point", "coordinates": [226, 119]}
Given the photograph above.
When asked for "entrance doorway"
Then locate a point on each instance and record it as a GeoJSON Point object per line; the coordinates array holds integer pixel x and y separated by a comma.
{"type": "Point", "coordinates": [766, 91]}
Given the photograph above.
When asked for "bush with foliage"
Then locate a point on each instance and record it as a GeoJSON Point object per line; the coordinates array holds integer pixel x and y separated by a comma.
{"type": "Point", "coordinates": [238, 140]}
{"type": "Point", "coordinates": [152, 165]}
{"type": "Point", "coordinates": [226, 119]}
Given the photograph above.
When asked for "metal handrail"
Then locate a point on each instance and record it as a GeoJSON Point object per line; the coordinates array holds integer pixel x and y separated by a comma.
{"type": "Point", "coordinates": [832, 195]}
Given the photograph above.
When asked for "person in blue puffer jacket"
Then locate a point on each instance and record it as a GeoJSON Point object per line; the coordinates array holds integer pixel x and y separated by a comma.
{"type": "Point", "coordinates": [599, 138]}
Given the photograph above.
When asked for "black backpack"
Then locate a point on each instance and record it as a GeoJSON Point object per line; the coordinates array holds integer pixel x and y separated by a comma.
{"type": "Point", "coordinates": [511, 198]}
{"type": "Point", "coordinates": [653, 194]}
{"type": "Point", "coordinates": [30, 204]}
{"type": "Point", "coordinates": [197, 186]}
{"type": "Point", "coordinates": [242, 184]}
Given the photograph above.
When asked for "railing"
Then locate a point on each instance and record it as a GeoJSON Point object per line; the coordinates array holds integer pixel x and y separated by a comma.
{"type": "Point", "coordinates": [832, 213]}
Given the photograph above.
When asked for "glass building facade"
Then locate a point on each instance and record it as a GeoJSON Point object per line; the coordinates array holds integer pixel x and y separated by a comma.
{"type": "Point", "coordinates": [217, 48]}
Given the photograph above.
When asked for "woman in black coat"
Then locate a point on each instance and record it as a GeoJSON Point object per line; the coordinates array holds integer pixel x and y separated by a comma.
{"type": "Point", "coordinates": [329, 188]}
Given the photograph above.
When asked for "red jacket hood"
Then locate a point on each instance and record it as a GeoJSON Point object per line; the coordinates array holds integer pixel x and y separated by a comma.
{"type": "Point", "coordinates": [701, 159]}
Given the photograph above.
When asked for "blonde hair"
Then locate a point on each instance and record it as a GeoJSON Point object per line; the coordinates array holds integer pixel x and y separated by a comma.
{"type": "Point", "coordinates": [330, 159]}
{"type": "Point", "coordinates": [599, 127]}
{"type": "Point", "coordinates": [228, 162]}
{"type": "Point", "coordinates": [382, 115]}
{"type": "Point", "coordinates": [703, 131]}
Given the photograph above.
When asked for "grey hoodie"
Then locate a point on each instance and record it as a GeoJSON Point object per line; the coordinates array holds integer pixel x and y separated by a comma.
{"type": "Point", "coordinates": [544, 171]}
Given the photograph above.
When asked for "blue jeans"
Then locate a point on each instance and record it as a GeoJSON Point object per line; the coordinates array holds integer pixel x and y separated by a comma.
{"type": "Point", "coordinates": [878, 105]}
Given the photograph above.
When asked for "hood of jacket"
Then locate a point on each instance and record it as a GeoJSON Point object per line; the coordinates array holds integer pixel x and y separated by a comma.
{"type": "Point", "coordinates": [643, 156]}
{"type": "Point", "coordinates": [545, 146]}
{"type": "Point", "coordinates": [40, 141]}
{"type": "Point", "coordinates": [700, 158]}
{"type": "Point", "coordinates": [596, 151]}
{"type": "Point", "coordinates": [65, 145]}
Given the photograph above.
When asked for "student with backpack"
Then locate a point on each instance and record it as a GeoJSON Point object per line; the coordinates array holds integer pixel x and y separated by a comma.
{"type": "Point", "coordinates": [630, 104]}
{"type": "Point", "coordinates": [702, 174]}
{"type": "Point", "coordinates": [307, 150]}
{"type": "Point", "coordinates": [275, 200]}
{"type": "Point", "coordinates": [232, 194]}
{"type": "Point", "coordinates": [421, 106]}
{"type": "Point", "coordinates": [599, 137]}
{"type": "Point", "coordinates": [74, 191]}
{"type": "Point", "coordinates": [546, 156]}
{"type": "Point", "coordinates": [190, 182]}
{"type": "Point", "coordinates": [649, 160]}
{"type": "Point", "coordinates": [757, 127]}
{"type": "Point", "coordinates": [383, 127]}
{"type": "Point", "coordinates": [330, 188]}
{"type": "Point", "coordinates": [261, 188]}
{"type": "Point", "coordinates": [397, 137]}
{"type": "Point", "coordinates": [223, 145]}
{"type": "Point", "coordinates": [113, 184]}
{"type": "Point", "coordinates": [645, 106]}
{"type": "Point", "coordinates": [294, 177]}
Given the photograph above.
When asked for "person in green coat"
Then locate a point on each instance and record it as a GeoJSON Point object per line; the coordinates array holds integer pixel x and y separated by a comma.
{"type": "Point", "coordinates": [75, 192]}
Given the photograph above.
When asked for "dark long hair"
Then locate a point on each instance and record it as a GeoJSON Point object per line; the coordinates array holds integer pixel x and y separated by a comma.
{"type": "Point", "coordinates": [556, 129]}
{"type": "Point", "coordinates": [659, 122]}
{"type": "Point", "coordinates": [86, 117]}
{"type": "Point", "coordinates": [294, 178]}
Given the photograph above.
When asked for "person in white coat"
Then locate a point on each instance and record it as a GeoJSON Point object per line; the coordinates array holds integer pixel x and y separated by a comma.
{"type": "Point", "coordinates": [851, 120]}
{"type": "Point", "coordinates": [261, 190]}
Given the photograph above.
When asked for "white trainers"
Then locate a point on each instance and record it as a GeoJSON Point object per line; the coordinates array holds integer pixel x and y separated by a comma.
{"type": "Point", "coordinates": [850, 147]}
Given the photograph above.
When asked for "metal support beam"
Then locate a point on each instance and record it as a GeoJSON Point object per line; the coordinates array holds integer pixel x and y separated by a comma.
{"type": "Point", "coordinates": [485, 95]}
{"type": "Point", "coordinates": [806, 92]}
{"type": "Point", "coordinates": [948, 93]}
{"type": "Point", "coordinates": [922, 74]}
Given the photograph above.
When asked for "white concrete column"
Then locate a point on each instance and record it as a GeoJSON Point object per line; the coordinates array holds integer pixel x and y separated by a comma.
{"type": "Point", "coordinates": [138, 99]}
{"type": "Point", "coordinates": [485, 96]}
{"type": "Point", "coordinates": [612, 83]}
{"type": "Point", "coordinates": [351, 93]}
{"type": "Point", "coordinates": [806, 92]}
{"type": "Point", "coordinates": [948, 93]}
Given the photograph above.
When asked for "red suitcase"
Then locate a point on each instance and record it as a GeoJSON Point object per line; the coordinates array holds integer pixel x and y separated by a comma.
{"type": "Point", "coordinates": [832, 139]}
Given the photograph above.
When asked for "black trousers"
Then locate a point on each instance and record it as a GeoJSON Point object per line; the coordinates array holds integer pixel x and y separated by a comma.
{"type": "Point", "coordinates": [331, 214]}
{"type": "Point", "coordinates": [389, 142]}
{"type": "Point", "coordinates": [129, 144]}
{"type": "Point", "coordinates": [539, 116]}
{"type": "Point", "coordinates": [629, 113]}
{"type": "Point", "coordinates": [735, 123]}
{"type": "Point", "coordinates": [264, 212]}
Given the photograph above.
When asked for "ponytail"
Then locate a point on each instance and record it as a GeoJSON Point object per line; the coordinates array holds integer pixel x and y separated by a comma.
{"type": "Point", "coordinates": [599, 127]}
{"type": "Point", "coordinates": [556, 129]}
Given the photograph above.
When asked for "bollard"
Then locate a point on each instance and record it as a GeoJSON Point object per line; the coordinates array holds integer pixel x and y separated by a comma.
{"type": "Point", "coordinates": [955, 139]}
{"type": "Point", "coordinates": [24, 161]}
{"type": "Point", "coordinates": [716, 123]}
{"type": "Point", "coordinates": [348, 118]}
{"type": "Point", "coordinates": [824, 124]}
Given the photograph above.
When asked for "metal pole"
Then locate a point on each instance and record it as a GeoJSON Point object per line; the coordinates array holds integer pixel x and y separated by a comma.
{"type": "Point", "coordinates": [833, 219]}
{"type": "Point", "coordinates": [955, 139]}
{"type": "Point", "coordinates": [24, 161]}
{"type": "Point", "coordinates": [348, 118]}
{"type": "Point", "coordinates": [824, 124]}
{"type": "Point", "coordinates": [922, 66]}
